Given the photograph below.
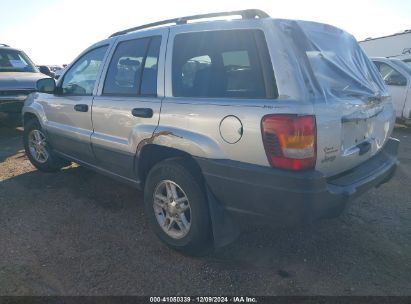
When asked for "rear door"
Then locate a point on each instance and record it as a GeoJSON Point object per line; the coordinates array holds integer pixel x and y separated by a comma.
{"type": "Point", "coordinates": [69, 110]}
{"type": "Point", "coordinates": [396, 83]}
{"type": "Point", "coordinates": [127, 107]}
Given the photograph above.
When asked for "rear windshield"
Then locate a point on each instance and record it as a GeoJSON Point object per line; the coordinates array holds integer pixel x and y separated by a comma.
{"type": "Point", "coordinates": [15, 61]}
{"type": "Point", "coordinates": [332, 62]}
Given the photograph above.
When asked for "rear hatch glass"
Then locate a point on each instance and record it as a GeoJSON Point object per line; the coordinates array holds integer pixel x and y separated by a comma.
{"type": "Point", "coordinates": [331, 61]}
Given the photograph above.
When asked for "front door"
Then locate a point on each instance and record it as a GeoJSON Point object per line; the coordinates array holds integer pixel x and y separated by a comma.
{"type": "Point", "coordinates": [126, 110]}
{"type": "Point", "coordinates": [69, 110]}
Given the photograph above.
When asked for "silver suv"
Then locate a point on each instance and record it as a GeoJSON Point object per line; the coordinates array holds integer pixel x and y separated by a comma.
{"type": "Point", "coordinates": [267, 119]}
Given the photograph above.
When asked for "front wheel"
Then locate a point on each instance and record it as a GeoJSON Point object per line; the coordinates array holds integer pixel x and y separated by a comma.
{"type": "Point", "coordinates": [177, 208]}
{"type": "Point", "coordinates": [38, 150]}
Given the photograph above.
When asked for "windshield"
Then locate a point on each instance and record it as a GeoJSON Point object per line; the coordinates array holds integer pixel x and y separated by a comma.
{"type": "Point", "coordinates": [15, 61]}
{"type": "Point", "coordinates": [403, 65]}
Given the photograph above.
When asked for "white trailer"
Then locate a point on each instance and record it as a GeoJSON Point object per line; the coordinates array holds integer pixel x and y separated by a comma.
{"type": "Point", "coordinates": [397, 45]}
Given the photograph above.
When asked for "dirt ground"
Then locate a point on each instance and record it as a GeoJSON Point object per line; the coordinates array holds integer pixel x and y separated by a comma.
{"type": "Point", "coordinates": [79, 233]}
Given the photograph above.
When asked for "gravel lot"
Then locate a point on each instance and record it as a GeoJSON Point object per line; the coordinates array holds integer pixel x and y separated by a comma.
{"type": "Point", "coordinates": [80, 233]}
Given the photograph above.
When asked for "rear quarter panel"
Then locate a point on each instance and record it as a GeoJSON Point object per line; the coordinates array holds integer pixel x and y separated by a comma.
{"type": "Point", "coordinates": [193, 125]}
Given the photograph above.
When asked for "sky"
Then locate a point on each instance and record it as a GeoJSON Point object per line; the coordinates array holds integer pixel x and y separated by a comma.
{"type": "Point", "coordinates": [56, 31]}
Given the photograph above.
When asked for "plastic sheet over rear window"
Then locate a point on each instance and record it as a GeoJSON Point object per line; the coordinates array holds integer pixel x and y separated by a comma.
{"type": "Point", "coordinates": [332, 64]}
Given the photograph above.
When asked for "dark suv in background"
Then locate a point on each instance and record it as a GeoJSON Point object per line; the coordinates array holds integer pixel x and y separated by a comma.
{"type": "Point", "coordinates": [18, 76]}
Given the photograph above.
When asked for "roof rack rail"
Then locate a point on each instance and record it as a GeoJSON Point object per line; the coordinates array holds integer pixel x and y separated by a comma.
{"type": "Point", "coordinates": [245, 14]}
{"type": "Point", "coordinates": [4, 45]}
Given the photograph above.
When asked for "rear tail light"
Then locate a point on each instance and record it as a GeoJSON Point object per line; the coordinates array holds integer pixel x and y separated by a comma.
{"type": "Point", "coordinates": [290, 141]}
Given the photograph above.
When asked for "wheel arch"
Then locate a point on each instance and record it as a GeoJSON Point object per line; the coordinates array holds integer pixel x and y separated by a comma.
{"type": "Point", "coordinates": [33, 110]}
{"type": "Point", "coordinates": [224, 229]}
{"type": "Point", "coordinates": [152, 154]}
{"type": "Point", "coordinates": [29, 116]}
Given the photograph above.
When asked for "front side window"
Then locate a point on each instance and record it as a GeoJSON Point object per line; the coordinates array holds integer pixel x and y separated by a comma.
{"type": "Point", "coordinates": [133, 68]}
{"type": "Point", "coordinates": [15, 61]}
{"type": "Point", "coordinates": [390, 75]}
{"type": "Point", "coordinates": [82, 75]}
{"type": "Point", "coordinates": [222, 64]}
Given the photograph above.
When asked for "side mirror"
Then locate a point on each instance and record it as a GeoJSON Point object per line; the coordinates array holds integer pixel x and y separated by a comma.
{"type": "Point", "coordinates": [46, 85]}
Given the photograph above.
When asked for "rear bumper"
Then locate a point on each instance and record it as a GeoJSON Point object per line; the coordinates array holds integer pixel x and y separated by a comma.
{"type": "Point", "coordinates": [293, 197]}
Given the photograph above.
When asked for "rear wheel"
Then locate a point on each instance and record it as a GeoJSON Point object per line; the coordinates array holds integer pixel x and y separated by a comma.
{"type": "Point", "coordinates": [177, 208]}
{"type": "Point", "coordinates": [38, 150]}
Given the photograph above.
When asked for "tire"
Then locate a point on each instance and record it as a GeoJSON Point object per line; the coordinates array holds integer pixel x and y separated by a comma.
{"type": "Point", "coordinates": [49, 161]}
{"type": "Point", "coordinates": [192, 236]}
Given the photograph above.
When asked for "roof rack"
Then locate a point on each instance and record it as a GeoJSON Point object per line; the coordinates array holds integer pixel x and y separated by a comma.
{"type": "Point", "coordinates": [245, 14]}
{"type": "Point", "coordinates": [4, 45]}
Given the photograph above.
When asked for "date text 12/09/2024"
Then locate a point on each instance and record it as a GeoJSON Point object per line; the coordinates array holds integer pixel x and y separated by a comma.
{"type": "Point", "coordinates": [239, 299]}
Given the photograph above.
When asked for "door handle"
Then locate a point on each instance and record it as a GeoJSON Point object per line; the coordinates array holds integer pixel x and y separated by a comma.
{"type": "Point", "coordinates": [81, 107]}
{"type": "Point", "coordinates": [142, 112]}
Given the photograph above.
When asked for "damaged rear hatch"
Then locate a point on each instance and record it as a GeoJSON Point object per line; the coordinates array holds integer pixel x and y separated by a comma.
{"type": "Point", "coordinates": [352, 107]}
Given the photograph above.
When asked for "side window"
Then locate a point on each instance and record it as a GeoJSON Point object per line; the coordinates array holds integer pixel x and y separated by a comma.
{"type": "Point", "coordinates": [222, 64]}
{"type": "Point", "coordinates": [149, 81]}
{"type": "Point", "coordinates": [81, 77]}
{"type": "Point", "coordinates": [239, 73]}
{"type": "Point", "coordinates": [134, 62]}
{"type": "Point", "coordinates": [390, 75]}
{"type": "Point", "coordinates": [192, 67]}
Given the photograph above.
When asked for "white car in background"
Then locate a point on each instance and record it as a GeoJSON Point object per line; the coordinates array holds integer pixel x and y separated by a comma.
{"type": "Point", "coordinates": [397, 77]}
